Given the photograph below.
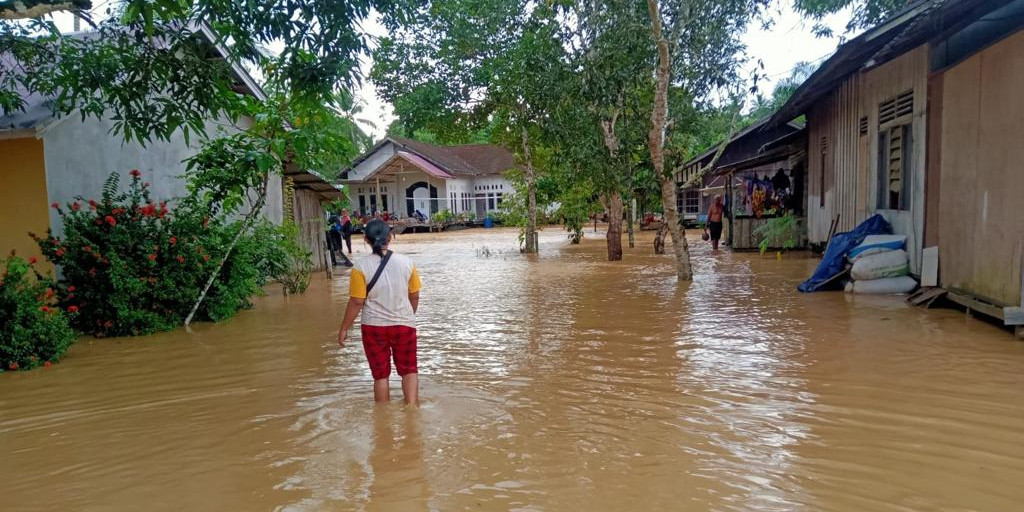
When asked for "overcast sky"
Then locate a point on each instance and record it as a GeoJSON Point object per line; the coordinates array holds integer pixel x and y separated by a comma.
{"type": "Point", "coordinates": [787, 42]}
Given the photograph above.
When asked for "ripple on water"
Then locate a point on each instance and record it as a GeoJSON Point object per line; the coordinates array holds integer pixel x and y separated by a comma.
{"type": "Point", "coordinates": [558, 382]}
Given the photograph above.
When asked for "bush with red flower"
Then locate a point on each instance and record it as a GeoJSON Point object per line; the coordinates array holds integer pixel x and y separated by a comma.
{"type": "Point", "coordinates": [34, 331]}
{"type": "Point", "coordinates": [132, 265]}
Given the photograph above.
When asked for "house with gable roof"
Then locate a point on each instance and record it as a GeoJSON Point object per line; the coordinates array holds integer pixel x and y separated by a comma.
{"type": "Point", "coordinates": [403, 176]}
{"type": "Point", "coordinates": [45, 158]}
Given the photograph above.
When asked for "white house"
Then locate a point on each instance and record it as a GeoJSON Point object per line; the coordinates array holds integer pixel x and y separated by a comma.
{"type": "Point", "coordinates": [402, 176]}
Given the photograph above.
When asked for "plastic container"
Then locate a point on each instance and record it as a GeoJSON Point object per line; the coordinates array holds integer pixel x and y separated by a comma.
{"type": "Point", "coordinates": [488, 222]}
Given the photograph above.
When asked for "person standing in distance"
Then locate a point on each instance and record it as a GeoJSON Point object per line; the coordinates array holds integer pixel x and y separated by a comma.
{"type": "Point", "coordinates": [385, 287]}
{"type": "Point", "coordinates": [715, 214]}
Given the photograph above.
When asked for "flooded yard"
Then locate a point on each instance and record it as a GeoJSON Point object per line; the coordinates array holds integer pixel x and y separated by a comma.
{"type": "Point", "coordinates": [556, 383]}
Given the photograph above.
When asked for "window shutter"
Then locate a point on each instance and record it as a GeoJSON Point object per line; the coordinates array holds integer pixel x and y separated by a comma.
{"type": "Point", "coordinates": [863, 125]}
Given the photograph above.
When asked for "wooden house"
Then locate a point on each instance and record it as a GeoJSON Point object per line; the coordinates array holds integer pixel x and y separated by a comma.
{"type": "Point", "coordinates": [919, 120]}
{"type": "Point", "coordinates": [760, 175]}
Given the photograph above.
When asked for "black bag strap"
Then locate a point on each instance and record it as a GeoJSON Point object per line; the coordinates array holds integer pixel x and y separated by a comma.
{"type": "Point", "coordinates": [380, 270]}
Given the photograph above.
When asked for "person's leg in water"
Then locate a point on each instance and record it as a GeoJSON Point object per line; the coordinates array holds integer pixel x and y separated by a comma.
{"type": "Point", "coordinates": [403, 346]}
{"type": "Point", "coordinates": [411, 388]}
{"type": "Point", "coordinates": [382, 390]}
{"type": "Point", "coordinates": [376, 345]}
{"type": "Point", "coordinates": [348, 242]}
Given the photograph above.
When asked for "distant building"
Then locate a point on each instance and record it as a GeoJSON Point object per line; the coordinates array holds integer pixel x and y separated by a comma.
{"type": "Point", "coordinates": [404, 176]}
{"type": "Point", "coordinates": [920, 120]}
{"type": "Point", "coordinates": [760, 175]}
{"type": "Point", "coordinates": [48, 159]}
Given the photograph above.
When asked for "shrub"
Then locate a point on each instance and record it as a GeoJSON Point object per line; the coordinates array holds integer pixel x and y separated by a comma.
{"type": "Point", "coordinates": [442, 217]}
{"type": "Point", "coordinates": [780, 232]}
{"type": "Point", "coordinates": [33, 330]}
{"type": "Point", "coordinates": [135, 266]}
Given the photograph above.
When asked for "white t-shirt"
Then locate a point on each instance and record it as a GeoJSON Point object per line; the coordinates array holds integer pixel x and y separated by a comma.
{"type": "Point", "coordinates": [388, 301]}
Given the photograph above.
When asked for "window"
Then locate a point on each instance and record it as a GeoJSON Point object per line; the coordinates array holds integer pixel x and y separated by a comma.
{"type": "Point", "coordinates": [691, 202]}
{"type": "Point", "coordinates": [895, 152]}
{"type": "Point", "coordinates": [894, 163]}
{"type": "Point", "coordinates": [490, 201]}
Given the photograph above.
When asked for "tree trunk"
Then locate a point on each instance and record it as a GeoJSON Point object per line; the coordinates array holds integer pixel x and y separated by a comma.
{"type": "Point", "coordinates": [531, 192]}
{"type": "Point", "coordinates": [630, 218]}
{"type": "Point", "coordinates": [246, 224]}
{"type": "Point", "coordinates": [659, 115]}
{"type": "Point", "coordinates": [659, 239]}
{"type": "Point", "coordinates": [614, 227]}
{"type": "Point", "coordinates": [681, 250]}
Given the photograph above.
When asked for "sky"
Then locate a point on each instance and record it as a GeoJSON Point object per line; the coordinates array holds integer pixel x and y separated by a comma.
{"type": "Point", "coordinates": [787, 42]}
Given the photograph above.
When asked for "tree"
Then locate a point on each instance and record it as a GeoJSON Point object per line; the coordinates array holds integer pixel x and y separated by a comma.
{"type": "Point", "coordinates": [140, 68]}
{"type": "Point", "coordinates": [866, 13]}
{"type": "Point", "coordinates": [698, 51]}
{"type": "Point", "coordinates": [157, 66]}
{"type": "Point", "coordinates": [460, 65]}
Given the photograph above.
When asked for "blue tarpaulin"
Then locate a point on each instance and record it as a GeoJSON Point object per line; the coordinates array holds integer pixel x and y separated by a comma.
{"type": "Point", "coordinates": [834, 261]}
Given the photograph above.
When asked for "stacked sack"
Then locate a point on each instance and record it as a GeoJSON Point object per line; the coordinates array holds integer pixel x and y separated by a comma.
{"type": "Point", "coordinates": [881, 266]}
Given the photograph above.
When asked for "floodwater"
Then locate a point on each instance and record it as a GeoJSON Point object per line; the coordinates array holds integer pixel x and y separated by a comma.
{"type": "Point", "coordinates": [556, 383]}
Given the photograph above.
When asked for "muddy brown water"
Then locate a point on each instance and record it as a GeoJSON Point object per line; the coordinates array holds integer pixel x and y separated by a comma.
{"type": "Point", "coordinates": [556, 383]}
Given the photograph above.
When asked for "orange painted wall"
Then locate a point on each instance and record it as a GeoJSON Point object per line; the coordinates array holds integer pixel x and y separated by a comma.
{"type": "Point", "coordinates": [23, 198]}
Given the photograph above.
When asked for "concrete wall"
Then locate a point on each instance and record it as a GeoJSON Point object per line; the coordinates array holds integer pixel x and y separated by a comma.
{"type": "Point", "coordinates": [23, 198]}
{"type": "Point", "coordinates": [372, 162]}
{"type": "Point", "coordinates": [80, 155]}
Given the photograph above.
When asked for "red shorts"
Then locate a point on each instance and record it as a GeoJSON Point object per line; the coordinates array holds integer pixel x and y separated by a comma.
{"type": "Point", "coordinates": [381, 343]}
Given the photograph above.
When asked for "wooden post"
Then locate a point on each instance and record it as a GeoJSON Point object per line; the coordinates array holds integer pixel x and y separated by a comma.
{"type": "Point", "coordinates": [728, 201]}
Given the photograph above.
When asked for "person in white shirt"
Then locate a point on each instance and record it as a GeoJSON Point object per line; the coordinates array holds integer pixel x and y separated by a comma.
{"type": "Point", "coordinates": [385, 287]}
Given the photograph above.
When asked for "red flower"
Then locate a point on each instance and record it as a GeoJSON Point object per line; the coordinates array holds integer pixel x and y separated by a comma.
{"type": "Point", "coordinates": [181, 259]}
{"type": "Point", "coordinates": [206, 257]}
{"type": "Point", "coordinates": [44, 309]}
{"type": "Point", "coordinates": [32, 260]}
{"type": "Point", "coordinates": [174, 240]}
{"type": "Point", "coordinates": [33, 358]}
{"type": "Point", "coordinates": [135, 173]}
{"type": "Point", "coordinates": [87, 248]}
{"type": "Point", "coordinates": [92, 272]}
{"type": "Point", "coordinates": [108, 324]}
{"type": "Point", "coordinates": [93, 204]}
{"type": "Point", "coordinates": [148, 210]}
{"type": "Point", "coordinates": [72, 309]}
{"type": "Point", "coordinates": [71, 289]}
{"type": "Point", "coordinates": [47, 364]}
{"type": "Point", "coordinates": [49, 293]}
{"type": "Point", "coordinates": [54, 241]}
{"type": "Point", "coordinates": [12, 365]}
{"type": "Point", "coordinates": [75, 206]}
{"type": "Point", "coordinates": [117, 211]}
{"type": "Point", "coordinates": [59, 252]}
{"type": "Point", "coordinates": [55, 206]}
{"type": "Point", "coordinates": [145, 184]}
{"type": "Point", "coordinates": [110, 220]}
{"type": "Point", "coordinates": [152, 257]}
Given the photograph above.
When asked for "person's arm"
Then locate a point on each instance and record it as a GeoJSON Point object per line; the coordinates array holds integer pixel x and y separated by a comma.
{"type": "Point", "coordinates": [351, 312]}
{"type": "Point", "coordinates": [414, 289]}
{"type": "Point", "coordinates": [357, 297]}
